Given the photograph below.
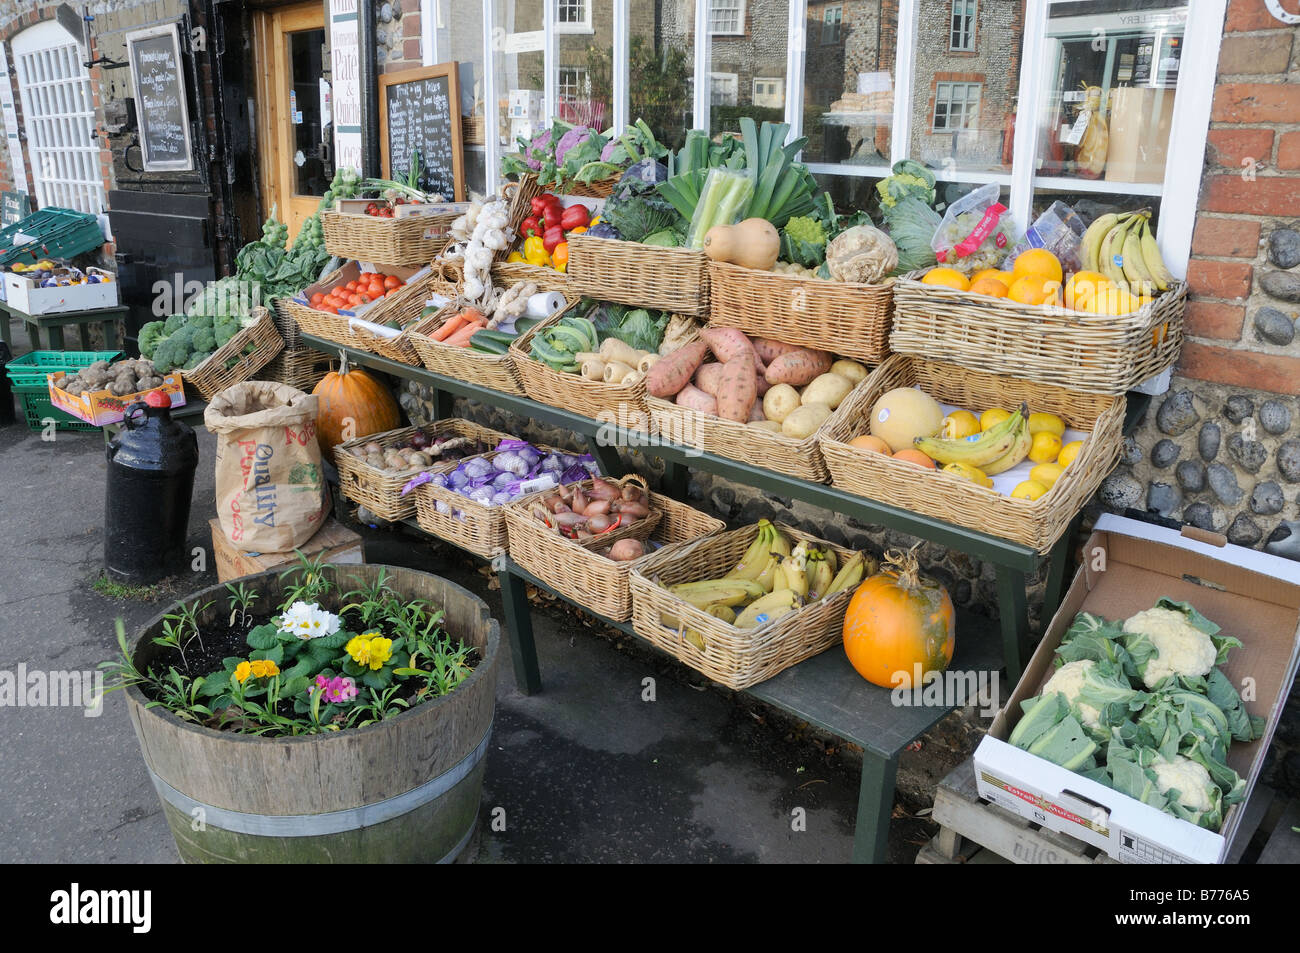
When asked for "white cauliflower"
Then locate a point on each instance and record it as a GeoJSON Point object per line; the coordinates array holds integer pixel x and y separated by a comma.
{"type": "Point", "coordinates": [1183, 650]}
{"type": "Point", "coordinates": [1067, 680]}
{"type": "Point", "coordinates": [1189, 779]}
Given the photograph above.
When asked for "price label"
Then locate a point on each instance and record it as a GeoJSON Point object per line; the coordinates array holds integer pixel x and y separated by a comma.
{"type": "Point", "coordinates": [1075, 135]}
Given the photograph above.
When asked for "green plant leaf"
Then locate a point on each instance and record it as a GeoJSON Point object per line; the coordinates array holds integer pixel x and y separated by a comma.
{"type": "Point", "coordinates": [263, 637]}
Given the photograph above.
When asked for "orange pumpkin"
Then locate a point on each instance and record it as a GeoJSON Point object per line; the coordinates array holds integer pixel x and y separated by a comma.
{"type": "Point", "coordinates": [899, 619]}
{"type": "Point", "coordinates": [352, 404]}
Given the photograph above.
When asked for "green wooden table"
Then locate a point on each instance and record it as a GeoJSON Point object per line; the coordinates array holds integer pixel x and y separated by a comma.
{"type": "Point", "coordinates": [53, 325]}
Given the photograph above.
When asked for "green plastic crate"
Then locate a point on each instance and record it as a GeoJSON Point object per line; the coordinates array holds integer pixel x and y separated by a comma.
{"type": "Point", "coordinates": [56, 233]}
{"type": "Point", "coordinates": [37, 407]}
{"type": "Point", "coordinates": [31, 369]}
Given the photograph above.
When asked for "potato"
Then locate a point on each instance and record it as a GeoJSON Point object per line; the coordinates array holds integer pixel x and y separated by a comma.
{"type": "Point", "coordinates": [803, 423]}
{"type": "Point", "coordinates": [851, 371]}
{"type": "Point", "coordinates": [780, 401]}
{"type": "Point", "coordinates": [769, 425]}
{"type": "Point", "coordinates": [828, 389]}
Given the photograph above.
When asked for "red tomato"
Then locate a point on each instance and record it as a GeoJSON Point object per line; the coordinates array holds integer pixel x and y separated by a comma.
{"type": "Point", "coordinates": [316, 299]}
{"type": "Point", "coordinates": [391, 282]}
{"type": "Point", "coordinates": [351, 285]}
{"type": "Point", "coordinates": [330, 308]}
{"type": "Point", "coordinates": [362, 298]}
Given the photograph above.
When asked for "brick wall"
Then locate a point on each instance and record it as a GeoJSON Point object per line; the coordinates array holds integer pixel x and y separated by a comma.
{"type": "Point", "coordinates": [397, 39]}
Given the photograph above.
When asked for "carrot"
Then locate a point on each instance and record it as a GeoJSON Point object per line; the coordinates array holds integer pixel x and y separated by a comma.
{"type": "Point", "coordinates": [461, 337]}
{"type": "Point", "coordinates": [454, 323]}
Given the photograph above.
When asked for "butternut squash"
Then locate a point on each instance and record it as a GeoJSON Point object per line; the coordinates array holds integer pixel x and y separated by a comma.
{"type": "Point", "coordinates": [753, 243]}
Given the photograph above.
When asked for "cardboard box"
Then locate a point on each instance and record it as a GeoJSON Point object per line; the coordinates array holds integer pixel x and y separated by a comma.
{"type": "Point", "coordinates": [1128, 565]}
{"type": "Point", "coordinates": [340, 545]}
{"type": "Point", "coordinates": [27, 296]}
{"type": "Point", "coordinates": [348, 273]}
{"type": "Point", "coordinates": [100, 407]}
{"type": "Point", "coordinates": [1140, 119]}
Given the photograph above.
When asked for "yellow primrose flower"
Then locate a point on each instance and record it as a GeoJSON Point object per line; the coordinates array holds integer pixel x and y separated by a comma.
{"type": "Point", "coordinates": [264, 668]}
{"type": "Point", "coordinates": [359, 648]}
{"type": "Point", "coordinates": [242, 671]}
{"type": "Point", "coordinates": [381, 650]}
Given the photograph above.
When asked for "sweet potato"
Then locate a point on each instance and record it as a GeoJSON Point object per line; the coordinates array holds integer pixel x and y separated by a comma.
{"type": "Point", "coordinates": [760, 381]}
{"type": "Point", "coordinates": [756, 412]}
{"type": "Point", "coordinates": [708, 377]}
{"type": "Point", "coordinates": [726, 343]}
{"type": "Point", "coordinates": [769, 350]}
{"type": "Point", "coordinates": [798, 367]}
{"type": "Point", "coordinates": [670, 374]}
{"type": "Point", "coordinates": [692, 398]}
{"type": "Point", "coordinates": [738, 388]}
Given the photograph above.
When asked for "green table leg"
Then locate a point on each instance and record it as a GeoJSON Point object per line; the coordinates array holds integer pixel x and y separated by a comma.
{"type": "Point", "coordinates": [875, 805]}
{"type": "Point", "coordinates": [84, 331]}
{"type": "Point", "coordinates": [610, 462]}
{"type": "Point", "coordinates": [5, 335]}
{"type": "Point", "coordinates": [1057, 567]}
{"type": "Point", "coordinates": [519, 629]}
{"type": "Point", "coordinates": [676, 477]}
{"type": "Point", "coordinates": [1013, 612]}
{"type": "Point", "coordinates": [442, 404]}
{"type": "Point", "coordinates": [110, 335]}
{"type": "Point", "coordinates": [55, 332]}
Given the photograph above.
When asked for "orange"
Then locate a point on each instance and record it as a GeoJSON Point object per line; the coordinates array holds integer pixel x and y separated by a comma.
{"type": "Point", "coordinates": [868, 442]}
{"type": "Point", "coordinates": [915, 457]}
{"type": "Point", "coordinates": [1002, 276]}
{"type": "Point", "coordinates": [947, 277]}
{"type": "Point", "coordinates": [1082, 289]}
{"type": "Point", "coordinates": [1035, 289]}
{"type": "Point", "coordinates": [1038, 261]}
{"type": "Point", "coordinates": [989, 286]}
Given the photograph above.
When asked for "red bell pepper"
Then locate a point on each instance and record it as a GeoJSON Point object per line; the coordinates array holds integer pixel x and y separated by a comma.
{"type": "Point", "coordinates": [538, 205]}
{"type": "Point", "coordinates": [552, 209]}
{"type": "Point", "coordinates": [530, 226]}
{"type": "Point", "coordinates": [575, 216]}
{"type": "Point", "coordinates": [552, 237]}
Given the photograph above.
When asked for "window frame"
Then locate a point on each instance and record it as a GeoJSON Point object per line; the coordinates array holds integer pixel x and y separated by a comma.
{"type": "Point", "coordinates": [734, 79]}
{"type": "Point", "coordinates": [838, 24]}
{"type": "Point", "coordinates": [972, 23]}
{"type": "Point", "coordinates": [780, 89]}
{"type": "Point", "coordinates": [740, 10]}
{"type": "Point", "coordinates": [965, 104]}
{"type": "Point", "coordinates": [574, 26]}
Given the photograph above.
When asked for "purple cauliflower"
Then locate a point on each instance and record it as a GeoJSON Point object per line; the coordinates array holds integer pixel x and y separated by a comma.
{"type": "Point", "coordinates": [538, 150]}
{"type": "Point", "coordinates": [575, 136]}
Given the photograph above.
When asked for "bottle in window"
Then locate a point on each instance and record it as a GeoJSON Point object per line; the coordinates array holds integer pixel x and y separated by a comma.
{"type": "Point", "coordinates": [1090, 159]}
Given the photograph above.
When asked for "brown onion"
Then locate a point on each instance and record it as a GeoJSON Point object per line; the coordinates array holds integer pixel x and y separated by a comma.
{"type": "Point", "coordinates": [599, 523]}
{"type": "Point", "coordinates": [597, 506]}
{"type": "Point", "coordinates": [601, 490]}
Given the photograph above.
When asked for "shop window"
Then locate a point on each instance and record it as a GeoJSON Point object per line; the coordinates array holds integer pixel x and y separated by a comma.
{"type": "Point", "coordinates": [573, 16]}
{"type": "Point", "coordinates": [769, 93]}
{"type": "Point", "coordinates": [962, 33]}
{"type": "Point", "coordinates": [831, 25]}
{"type": "Point", "coordinates": [956, 106]}
{"type": "Point", "coordinates": [727, 17]}
{"type": "Point", "coordinates": [722, 89]}
{"type": "Point", "coordinates": [58, 118]}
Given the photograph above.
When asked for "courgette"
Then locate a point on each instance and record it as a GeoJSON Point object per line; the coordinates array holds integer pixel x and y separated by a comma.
{"type": "Point", "coordinates": [487, 342]}
{"type": "Point", "coordinates": [524, 325]}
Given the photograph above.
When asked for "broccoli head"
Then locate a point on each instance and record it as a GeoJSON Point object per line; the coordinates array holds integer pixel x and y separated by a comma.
{"type": "Point", "coordinates": [150, 336]}
{"type": "Point", "coordinates": [205, 340]}
{"type": "Point", "coordinates": [225, 329]}
{"type": "Point", "coordinates": [197, 359]}
{"type": "Point", "coordinates": [202, 321]}
{"type": "Point", "coordinates": [170, 354]}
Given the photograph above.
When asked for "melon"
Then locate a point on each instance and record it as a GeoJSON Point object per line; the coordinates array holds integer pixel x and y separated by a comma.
{"type": "Point", "coordinates": [902, 415]}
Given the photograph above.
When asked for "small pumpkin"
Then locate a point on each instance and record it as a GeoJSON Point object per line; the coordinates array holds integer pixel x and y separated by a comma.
{"type": "Point", "coordinates": [753, 243]}
{"type": "Point", "coordinates": [896, 620]}
{"type": "Point", "coordinates": [352, 404]}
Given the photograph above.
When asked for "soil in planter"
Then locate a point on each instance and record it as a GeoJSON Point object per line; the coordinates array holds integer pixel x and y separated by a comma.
{"type": "Point", "coordinates": [219, 640]}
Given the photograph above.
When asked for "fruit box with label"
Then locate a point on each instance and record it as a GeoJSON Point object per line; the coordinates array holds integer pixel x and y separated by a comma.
{"type": "Point", "coordinates": [101, 407]}
{"type": "Point", "coordinates": [26, 294]}
{"type": "Point", "coordinates": [1127, 566]}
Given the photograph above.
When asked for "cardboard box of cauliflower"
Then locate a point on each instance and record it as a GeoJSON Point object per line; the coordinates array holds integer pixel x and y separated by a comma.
{"type": "Point", "coordinates": [100, 395]}
{"type": "Point", "coordinates": [1150, 667]}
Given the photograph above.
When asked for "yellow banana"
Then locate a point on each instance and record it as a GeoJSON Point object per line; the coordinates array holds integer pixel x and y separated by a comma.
{"type": "Point", "coordinates": [796, 572]}
{"type": "Point", "coordinates": [778, 577]}
{"type": "Point", "coordinates": [780, 543]}
{"type": "Point", "coordinates": [755, 558]}
{"type": "Point", "coordinates": [979, 449]}
{"type": "Point", "coordinates": [820, 577]}
{"type": "Point", "coordinates": [1024, 440]}
{"type": "Point", "coordinates": [1092, 238]}
{"type": "Point", "coordinates": [1135, 270]}
{"type": "Point", "coordinates": [750, 586]}
{"type": "Point", "coordinates": [770, 607]}
{"type": "Point", "coordinates": [1111, 247]}
{"type": "Point", "coordinates": [831, 560]}
{"type": "Point", "coordinates": [850, 574]}
{"type": "Point", "coordinates": [767, 578]}
{"type": "Point", "coordinates": [703, 598]}
{"type": "Point", "coordinates": [1155, 262]}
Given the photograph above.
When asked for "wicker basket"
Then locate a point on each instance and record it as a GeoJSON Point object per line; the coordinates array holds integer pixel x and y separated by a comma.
{"type": "Point", "coordinates": [600, 189]}
{"type": "Point", "coordinates": [213, 376]}
{"type": "Point", "coordinates": [405, 306]}
{"type": "Point", "coordinates": [737, 658]}
{"type": "Point", "coordinates": [1098, 354]}
{"type": "Point", "coordinates": [518, 272]}
{"type": "Point", "coordinates": [408, 242]}
{"type": "Point", "coordinates": [1038, 523]}
{"type": "Point", "coordinates": [585, 576]}
{"type": "Point", "coordinates": [284, 321]}
{"type": "Point", "coordinates": [469, 525]}
{"type": "Point", "coordinates": [299, 367]}
{"type": "Point", "coordinates": [462, 363]}
{"type": "Point", "coordinates": [519, 198]}
{"type": "Point", "coordinates": [380, 491]}
{"type": "Point", "coordinates": [847, 319]}
{"type": "Point", "coordinates": [620, 404]}
{"type": "Point", "coordinates": [644, 276]}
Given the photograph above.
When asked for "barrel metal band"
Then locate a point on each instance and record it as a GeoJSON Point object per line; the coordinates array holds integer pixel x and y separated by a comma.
{"type": "Point", "coordinates": [333, 822]}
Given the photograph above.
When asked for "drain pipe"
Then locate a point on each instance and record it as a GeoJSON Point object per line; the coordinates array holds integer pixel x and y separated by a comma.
{"type": "Point", "coordinates": [369, 83]}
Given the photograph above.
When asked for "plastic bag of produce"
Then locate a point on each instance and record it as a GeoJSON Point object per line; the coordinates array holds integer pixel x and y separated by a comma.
{"type": "Point", "coordinates": [271, 494]}
{"type": "Point", "coordinates": [1060, 230]}
{"type": "Point", "coordinates": [723, 201]}
{"type": "Point", "coordinates": [976, 233]}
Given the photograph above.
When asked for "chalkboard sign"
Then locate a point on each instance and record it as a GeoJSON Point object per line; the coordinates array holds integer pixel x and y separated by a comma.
{"type": "Point", "coordinates": [157, 76]}
{"type": "Point", "coordinates": [419, 111]}
{"type": "Point", "coordinates": [14, 207]}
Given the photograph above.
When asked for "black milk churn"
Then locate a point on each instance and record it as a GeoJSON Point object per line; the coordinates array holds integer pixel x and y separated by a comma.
{"type": "Point", "coordinates": [151, 464]}
{"type": "Point", "coordinates": [7, 415]}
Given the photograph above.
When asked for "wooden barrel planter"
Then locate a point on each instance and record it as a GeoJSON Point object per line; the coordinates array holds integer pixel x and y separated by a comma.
{"type": "Point", "coordinates": [404, 790]}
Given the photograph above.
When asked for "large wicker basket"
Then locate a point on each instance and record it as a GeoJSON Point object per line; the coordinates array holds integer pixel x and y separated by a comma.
{"type": "Point", "coordinates": [737, 658]}
{"type": "Point", "coordinates": [644, 276]}
{"type": "Point", "coordinates": [841, 317]}
{"type": "Point", "coordinates": [380, 491]}
{"type": "Point", "coordinates": [229, 365]}
{"type": "Point", "coordinates": [1100, 354]}
{"type": "Point", "coordinates": [299, 367]}
{"type": "Point", "coordinates": [1038, 523]}
{"type": "Point", "coordinates": [468, 524]}
{"type": "Point", "coordinates": [405, 306]}
{"type": "Point", "coordinates": [620, 404]}
{"type": "Point", "coordinates": [409, 241]}
{"type": "Point", "coordinates": [462, 363]}
{"type": "Point", "coordinates": [580, 572]}
{"type": "Point", "coordinates": [600, 189]}
{"type": "Point", "coordinates": [519, 272]}
{"type": "Point", "coordinates": [519, 197]}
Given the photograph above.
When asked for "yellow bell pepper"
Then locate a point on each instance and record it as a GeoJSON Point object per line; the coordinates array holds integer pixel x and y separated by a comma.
{"type": "Point", "coordinates": [515, 257]}
{"type": "Point", "coordinates": [560, 256]}
{"type": "Point", "coordinates": [595, 221]}
{"type": "Point", "coordinates": [535, 251]}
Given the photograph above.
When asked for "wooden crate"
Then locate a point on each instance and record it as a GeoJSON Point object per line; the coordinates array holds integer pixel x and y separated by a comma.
{"type": "Point", "coordinates": [340, 545]}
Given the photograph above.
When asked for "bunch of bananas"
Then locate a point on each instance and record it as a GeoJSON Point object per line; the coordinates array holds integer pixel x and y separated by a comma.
{"type": "Point", "coordinates": [772, 579]}
{"type": "Point", "coordinates": [1122, 248]}
{"type": "Point", "coordinates": [558, 346]}
{"type": "Point", "coordinates": [990, 452]}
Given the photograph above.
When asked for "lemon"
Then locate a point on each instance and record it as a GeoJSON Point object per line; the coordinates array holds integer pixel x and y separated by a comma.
{"type": "Point", "coordinates": [1045, 448]}
{"type": "Point", "coordinates": [992, 417]}
{"type": "Point", "coordinates": [1028, 490]}
{"type": "Point", "coordinates": [1050, 423]}
{"type": "Point", "coordinates": [959, 424]}
{"type": "Point", "coordinates": [968, 472]}
{"type": "Point", "coordinates": [1069, 452]}
{"type": "Point", "coordinates": [1046, 474]}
